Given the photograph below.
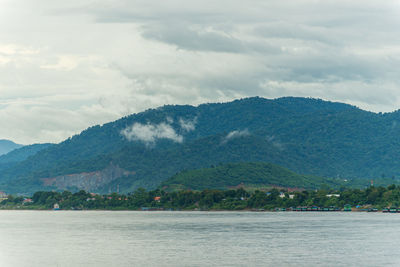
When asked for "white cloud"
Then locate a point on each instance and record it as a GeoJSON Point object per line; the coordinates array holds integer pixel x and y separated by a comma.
{"type": "Point", "coordinates": [275, 143]}
{"type": "Point", "coordinates": [188, 125]}
{"type": "Point", "coordinates": [150, 133]}
{"type": "Point", "coordinates": [235, 134]}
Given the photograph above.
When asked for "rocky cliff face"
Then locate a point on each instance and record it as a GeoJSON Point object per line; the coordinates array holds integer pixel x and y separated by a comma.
{"type": "Point", "coordinates": [88, 181]}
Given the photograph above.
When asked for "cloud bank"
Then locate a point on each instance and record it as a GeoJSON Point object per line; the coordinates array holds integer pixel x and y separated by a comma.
{"type": "Point", "coordinates": [67, 65]}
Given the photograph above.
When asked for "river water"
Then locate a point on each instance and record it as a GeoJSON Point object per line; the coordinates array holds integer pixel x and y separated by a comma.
{"type": "Point", "coordinates": [101, 238]}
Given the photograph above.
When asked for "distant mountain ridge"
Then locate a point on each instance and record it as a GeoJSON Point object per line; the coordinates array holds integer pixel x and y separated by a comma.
{"type": "Point", "coordinates": [7, 146]}
{"type": "Point", "coordinates": [22, 153]}
{"type": "Point", "coordinates": [306, 135]}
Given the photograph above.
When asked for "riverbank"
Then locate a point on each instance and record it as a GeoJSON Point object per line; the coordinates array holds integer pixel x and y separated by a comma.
{"type": "Point", "coordinates": [372, 199]}
{"type": "Point", "coordinates": [276, 210]}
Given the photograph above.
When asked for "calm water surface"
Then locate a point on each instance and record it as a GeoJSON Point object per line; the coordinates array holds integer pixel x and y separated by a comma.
{"type": "Point", "coordinates": [85, 238]}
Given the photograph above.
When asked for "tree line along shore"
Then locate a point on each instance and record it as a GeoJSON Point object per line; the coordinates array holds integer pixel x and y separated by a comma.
{"type": "Point", "coordinates": [371, 198]}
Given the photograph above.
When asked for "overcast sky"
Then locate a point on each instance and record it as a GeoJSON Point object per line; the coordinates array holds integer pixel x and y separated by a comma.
{"type": "Point", "coordinates": [68, 65]}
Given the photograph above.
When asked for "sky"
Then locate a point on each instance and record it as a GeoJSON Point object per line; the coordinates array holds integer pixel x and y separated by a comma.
{"type": "Point", "coordinates": [69, 65]}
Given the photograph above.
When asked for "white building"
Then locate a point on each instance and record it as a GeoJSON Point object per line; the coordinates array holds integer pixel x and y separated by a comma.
{"type": "Point", "coordinates": [333, 195]}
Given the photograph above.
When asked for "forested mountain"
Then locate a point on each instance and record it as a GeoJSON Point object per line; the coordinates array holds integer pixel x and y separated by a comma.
{"type": "Point", "coordinates": [308, 136]}
{"type": "Point", "coordinates": [7, 146]}
{"type": "Point", "coordinates": [19, 154]}
{"type": "Point", "coordinates": [22, 153]}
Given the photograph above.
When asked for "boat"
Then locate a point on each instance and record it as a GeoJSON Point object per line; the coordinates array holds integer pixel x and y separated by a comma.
{"type": "Point", "coordinates": [392, 210]}
{"type": "Point", "coordinates": [347, 207]}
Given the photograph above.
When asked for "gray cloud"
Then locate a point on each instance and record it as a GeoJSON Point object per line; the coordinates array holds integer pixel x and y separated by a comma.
{"type": "Point", "coordinates": [194, 38]}
{"type": "Point", "coordinates": [84, 63]}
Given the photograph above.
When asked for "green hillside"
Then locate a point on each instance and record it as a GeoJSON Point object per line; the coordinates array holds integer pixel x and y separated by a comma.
{"type": "Point", "coordinates": [308, 136]}
{"type": "Point", "coordinates": [245, 174]}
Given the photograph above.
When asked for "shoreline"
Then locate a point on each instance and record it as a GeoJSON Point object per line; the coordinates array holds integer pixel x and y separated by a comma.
{"type": "Point", "coordinates": [244, 211]}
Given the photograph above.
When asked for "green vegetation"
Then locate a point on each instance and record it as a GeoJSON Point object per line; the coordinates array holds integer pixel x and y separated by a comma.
{"type": "Point", "coordinates": [307, 136]}
{"type": "Point", "coordinates": [240, 199]}
{"type": "Point", "coordinates": [245, 174]}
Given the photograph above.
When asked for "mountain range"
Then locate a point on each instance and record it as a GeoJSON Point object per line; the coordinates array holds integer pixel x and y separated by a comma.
{"type": "Point", "coordinates": [7, 146]}
{"type": "Point", "coordinates": [306, 135]}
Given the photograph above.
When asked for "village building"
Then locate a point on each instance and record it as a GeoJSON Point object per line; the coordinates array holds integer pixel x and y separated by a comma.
{"type": "Point", "coordinates": [332, 195]}
{"type": "Point", "coordinates": [27, 200]}
{"type": "Point", "coordinates": [283, 195]}
{"type": "Point", "coordinates": [3, 196]}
